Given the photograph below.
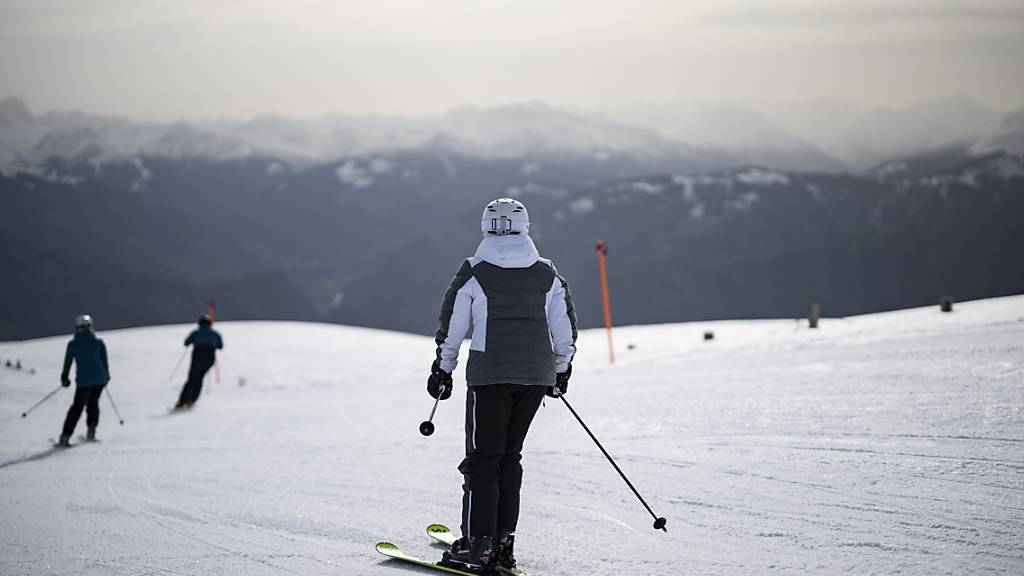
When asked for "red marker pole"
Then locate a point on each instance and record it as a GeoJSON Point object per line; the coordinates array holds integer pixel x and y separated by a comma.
{"type": "Point", "coordinates": [602, 252]}
{"type": "Point", "coordinates": [211, 311]}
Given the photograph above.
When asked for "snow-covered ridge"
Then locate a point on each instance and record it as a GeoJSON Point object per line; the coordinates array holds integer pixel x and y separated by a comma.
{"type": "Point", "coordinates": [507, 132]}
{"type": "Point", "coordinates": [865, 137]}
{"type": "Point", "coordinates": [644, 132]}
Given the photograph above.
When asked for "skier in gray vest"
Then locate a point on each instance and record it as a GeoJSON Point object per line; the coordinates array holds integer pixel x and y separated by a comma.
{"type": "Point", "coordinates": [524, 339]}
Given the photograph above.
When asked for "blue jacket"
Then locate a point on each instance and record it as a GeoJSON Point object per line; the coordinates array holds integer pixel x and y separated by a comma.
{"type": "Point", "coordinates": [90, 356]}
{"type": "Point", "coordinates": [205, 336]}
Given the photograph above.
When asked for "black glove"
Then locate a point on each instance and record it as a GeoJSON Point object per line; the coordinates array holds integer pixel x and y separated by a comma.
{"type": "Point", "coordinates": [65, 381]}
{"type": "Point", "coordinates": [439, 384]}
{"type": "Point", "coordinates": [561, 383]}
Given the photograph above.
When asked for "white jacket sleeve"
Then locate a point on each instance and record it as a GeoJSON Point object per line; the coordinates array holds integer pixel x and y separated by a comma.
{"type": "Point", "coordinates": [456, 318]}
{"type": "Point", "coordinates": [561, 324]}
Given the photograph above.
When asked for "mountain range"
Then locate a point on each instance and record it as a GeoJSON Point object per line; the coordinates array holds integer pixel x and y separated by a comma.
{"type": "Point", "coordinates": [363, 220]}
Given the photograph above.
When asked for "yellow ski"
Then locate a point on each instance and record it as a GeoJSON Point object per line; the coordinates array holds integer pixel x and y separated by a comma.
{"type": "Point", "coordinates": [391, 551]}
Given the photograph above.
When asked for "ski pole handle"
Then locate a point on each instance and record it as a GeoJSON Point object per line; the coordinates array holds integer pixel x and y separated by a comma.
{"type": "Point", "coordinates": [45, 398]}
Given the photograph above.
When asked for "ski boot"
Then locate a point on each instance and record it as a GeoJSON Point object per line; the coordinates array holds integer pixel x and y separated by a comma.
{"type": "Point", "coordinates": [476, 554]}
{"type": "Point", "coordinates": [90, 434]}
{"type": "Point", "coordinates": [65, 441]}
{"type": "Point", "coordinates": [504, 550]}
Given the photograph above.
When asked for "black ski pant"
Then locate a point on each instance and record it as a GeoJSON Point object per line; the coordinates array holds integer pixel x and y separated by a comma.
{"type": "Point", "coordinates": [89, 400]}
{"type": "Point", "coordinates": [498, 417]}
{"type": "Point", "coordinates": [202, 360]}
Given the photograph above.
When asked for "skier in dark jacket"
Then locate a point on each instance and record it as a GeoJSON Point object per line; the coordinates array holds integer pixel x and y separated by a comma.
{"type": "Point", "coordinates": [524, 339]}
{"type": "Point", "coordinates": [92, 373]}
{"type": "Point", "coordinates": [205, 342]}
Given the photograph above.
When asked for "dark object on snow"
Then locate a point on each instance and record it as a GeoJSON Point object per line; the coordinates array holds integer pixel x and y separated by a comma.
{"type": "Point", "coordinates": [8, 364]}
{"type": "Point", "coordinates": [813, 315]}
{"type": "Point", "coordinates": [631, 346]}
{"type": "Point", "coordinates": [709, 335]}
{"type": "Point", "coordinates": [659, 522]}
{"type": "Point", "coordinates": [946, 304]}
{"type": "Point", "coordinates": [17, 365]}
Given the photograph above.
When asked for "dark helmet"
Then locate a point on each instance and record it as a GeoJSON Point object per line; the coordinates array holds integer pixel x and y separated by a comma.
{"type": "Point", "coordinates": [204, 320]}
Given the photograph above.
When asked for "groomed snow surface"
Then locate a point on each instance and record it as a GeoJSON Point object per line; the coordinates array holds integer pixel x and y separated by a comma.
{"type": "Point", "coordinates": [883, 444]}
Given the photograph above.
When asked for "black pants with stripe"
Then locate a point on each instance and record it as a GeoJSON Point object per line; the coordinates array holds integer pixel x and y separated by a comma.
{"type": "Point", "coordinates": [87, 399]}
{"type": "Point", "coordinates": [498, 417]}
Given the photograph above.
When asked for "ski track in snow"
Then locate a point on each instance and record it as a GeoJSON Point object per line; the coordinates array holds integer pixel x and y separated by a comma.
{"type": "Point", "coordinates": [881, 444]}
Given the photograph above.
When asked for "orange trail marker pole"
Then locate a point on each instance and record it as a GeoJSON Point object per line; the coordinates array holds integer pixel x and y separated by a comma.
{"type": "Point", "coordinates": [602, 252]}
{"type": "Point", "coordinates": [211, 311]}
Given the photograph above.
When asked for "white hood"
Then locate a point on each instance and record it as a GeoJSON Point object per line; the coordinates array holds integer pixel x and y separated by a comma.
{"type": "Point", "coordinates": [513, 251]}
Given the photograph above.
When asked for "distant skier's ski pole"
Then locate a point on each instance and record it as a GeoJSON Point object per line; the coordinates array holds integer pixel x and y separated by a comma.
{"type": "Point", "coordinates": [111, 398]}
{"type": "Point", "coordinates": [659, 522]}
{"type": "Point", "coordinates": [427, 426]}
{"type": "Point", "coordinates": [45, 398]}
{"type": "Point", "coordinates": [178, 365]}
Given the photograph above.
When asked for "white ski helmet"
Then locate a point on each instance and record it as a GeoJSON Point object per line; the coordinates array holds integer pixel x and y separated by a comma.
{"type": "Point", "coordinates": [505, 216]}
{"type": "Point", "coordinates": [83, 322]}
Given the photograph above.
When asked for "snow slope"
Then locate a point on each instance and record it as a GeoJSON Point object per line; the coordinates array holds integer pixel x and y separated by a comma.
{"type": "Point", "coordinates": [881, 444]}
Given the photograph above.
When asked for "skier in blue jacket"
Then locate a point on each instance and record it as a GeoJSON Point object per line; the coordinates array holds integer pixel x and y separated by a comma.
{"type": "Point", "coordinates": [524, 339]}
{"type": "Point", "coordinates": [205, 342]}
{"type": "Point", "coordinates": [92, 373]}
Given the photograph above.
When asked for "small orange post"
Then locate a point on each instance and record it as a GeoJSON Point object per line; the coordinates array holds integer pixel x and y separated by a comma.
{"type": "Point", "coordinates": [602, 252]}
{"type": "Point", "coordinates": [211, 311]}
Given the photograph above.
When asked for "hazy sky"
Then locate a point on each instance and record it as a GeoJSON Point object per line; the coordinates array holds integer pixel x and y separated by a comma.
{"type": "Point", "coordinates": [168, 59]}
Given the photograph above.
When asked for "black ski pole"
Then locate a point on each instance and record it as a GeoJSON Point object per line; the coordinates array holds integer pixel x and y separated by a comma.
{"type": "Point", "coordinates": [111, 398]}
{"type": "Point", "coordinates": [427, 426]}
{"type": "Point", "coordinates": [45, 398]}
{"type": "Point", "coordinates": [659, 522]}
{"type": "Point", "coordinates": [176, 366]}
